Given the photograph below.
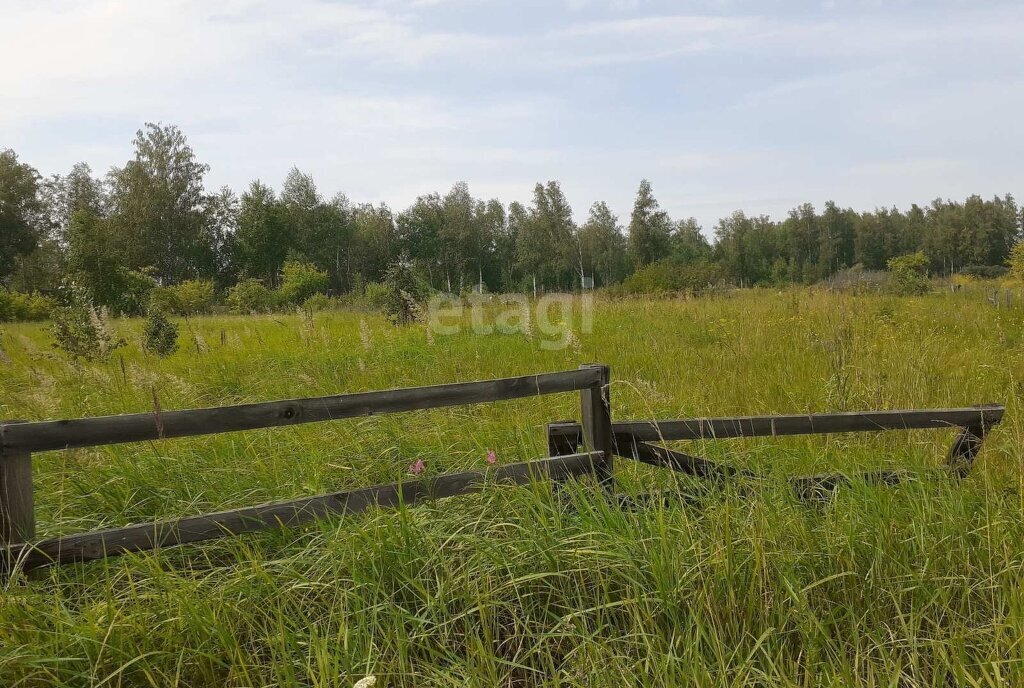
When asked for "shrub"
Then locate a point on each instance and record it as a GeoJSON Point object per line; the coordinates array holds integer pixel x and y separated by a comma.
{"type": "Point", "coordinates": [79, 329]}
{"type": "Point", "coordinates": [909, 273]}
{"type": "Point", "coordinates": [317, 302]}
{"type": "Point", "coordinates": [299, 281]}
{"type": "Point", "coordinates": [16, 305]}
{"type": "Point", "coordinates": [249, 296]}
{"type": "Point", "coordinates": [164, 299]}
{"type": "Point", "coordinates": [670, 276]}
{"type": "Point", "coordinates": [160, 335]}
{"type": "Point", "coordinates": [191, 297]}
{"type": "Point", "coordinates": [376, 295]}
{"type": "Point", "coordinates": [132, 290]}
{"type": "Point", "coordinates": [404, 293]}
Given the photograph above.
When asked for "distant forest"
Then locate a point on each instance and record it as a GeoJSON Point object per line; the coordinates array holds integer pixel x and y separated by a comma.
{"type": "Point", "coordinates": [154, 217]}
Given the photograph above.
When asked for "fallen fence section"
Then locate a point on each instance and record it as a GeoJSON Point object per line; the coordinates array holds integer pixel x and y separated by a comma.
{"type": "Point", "coordinates": [575, 448]}
{"type": "Point", "coordinates": [147, 536]}
{"type": "Point", "coordinates": [632, 440]}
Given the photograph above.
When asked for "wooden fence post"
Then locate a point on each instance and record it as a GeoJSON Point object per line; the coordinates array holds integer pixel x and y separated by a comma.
{"type": "Point", "coordinates": [17, 514]}
{"type": "Point", "coordinates": [965, 449]}
{"type": "Point", "coordinates": [596, 417]}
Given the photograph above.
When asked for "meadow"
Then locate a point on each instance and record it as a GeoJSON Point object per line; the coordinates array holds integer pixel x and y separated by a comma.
{"type": "Point", "coordinates": [916, 585]}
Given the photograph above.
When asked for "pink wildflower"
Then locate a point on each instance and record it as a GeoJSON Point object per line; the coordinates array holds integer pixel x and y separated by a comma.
{"type": "Point", "coordinates": [492, 457]}
{"type": "Point", "coordinates": [417, 467]}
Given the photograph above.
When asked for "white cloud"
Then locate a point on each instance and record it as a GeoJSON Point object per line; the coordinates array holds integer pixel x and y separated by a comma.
{"type": "Point", "coordinates": [723, 107]}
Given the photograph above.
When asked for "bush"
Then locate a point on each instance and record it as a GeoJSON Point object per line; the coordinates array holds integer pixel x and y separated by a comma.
{"type": "Point", "coordinates": [15, 305]}
{"type": "Point", "coordinates": [299, 281]}
{"type": "Point", "coordinates": [132, 290]}
{"type": "Point", "coordinates": [191, 297]}
{"type": "Point", "coordinates": [376, 295]}
{"type": "Point", "coordinates": [317, 302]}
{"type": "Point", "coordinates": [404, 293]}
{"type": "Point", "coordinates": [909, 274]}
{"type": "Point", "coordinates": [160, 335]}
{"type": "Point", "coordinates": [79, 329]}
{"type": "Point", "coordinates": [670, 276]}
{"type": "Point", "coordinates": [249, 296]}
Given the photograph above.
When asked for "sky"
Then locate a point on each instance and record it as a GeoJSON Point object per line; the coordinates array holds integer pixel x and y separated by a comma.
{"type": "Point", "coordinates": [722, 104]}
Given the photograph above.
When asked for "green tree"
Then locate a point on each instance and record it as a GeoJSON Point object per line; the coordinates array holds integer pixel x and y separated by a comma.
{"type": "Point", "coordinates": [459, 235]}
{"type": "Point", "coordinates": [688, 244]}
{"type": "Point", "coordinates": [263, 237]}
{"type": "Point", "coordinates": [835, 240]}
{"type": "Point", "coordinates": [375, 243]}
{"type": "Point", "coordinates": [76, 192]}
{"type": "Point", "coordinates": [546, 247]}
{"type": "Point", "coordinates": [650, 228]}
{"type": "Point", "coordinates": [603, 246]}
{"type": "Point", "coordinates": [222, 210]}
{"type": "Point", "coordinates": [419, 233]}
{"type": "Point", "coordinates": [158, 207]}
{"type": "Point", "coordinates": [21, 209]}
{"type": "Point", "coordinates": [321, 232]}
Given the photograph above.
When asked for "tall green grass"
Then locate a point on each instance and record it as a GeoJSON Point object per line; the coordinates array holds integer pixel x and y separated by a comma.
{"type": "Point", "coordinates": [917, 585]}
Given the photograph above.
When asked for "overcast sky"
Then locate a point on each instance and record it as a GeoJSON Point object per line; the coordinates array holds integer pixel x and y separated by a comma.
{"type": "Point", "coordinates": [722, 104]}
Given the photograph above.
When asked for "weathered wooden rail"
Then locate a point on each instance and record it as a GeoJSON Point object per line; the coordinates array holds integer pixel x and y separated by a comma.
{"type": "Point", "coordinates": [632, 439]}
{"type": "Point", "coordinates": [575, 448]}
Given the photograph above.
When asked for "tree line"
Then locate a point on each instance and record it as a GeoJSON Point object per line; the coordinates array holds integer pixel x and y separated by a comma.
{"type": "Point", "coordinates": [153, 218]}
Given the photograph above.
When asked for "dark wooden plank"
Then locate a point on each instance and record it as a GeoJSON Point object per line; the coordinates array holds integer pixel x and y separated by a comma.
{"type": "Point", "coordinates": [595, 409]}
{"type": "Point", "coordinates": [815, 423]}
{"type": "Point", "coordinates": [146, 536]}
{"type": "Point", "coordinates": [138, 427]}
{"type": "Point", "coordinates": [17, 511]}
{"type": "Point", "coordinates": [676, 460]}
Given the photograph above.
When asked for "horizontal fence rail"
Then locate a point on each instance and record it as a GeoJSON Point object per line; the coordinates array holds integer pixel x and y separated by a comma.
{"type": "Point", "coordinates": [146, 536]}
{"type": "Point", "coordinates": [806, 424]}
{"type": "Point", "coordinates": [140, 427]}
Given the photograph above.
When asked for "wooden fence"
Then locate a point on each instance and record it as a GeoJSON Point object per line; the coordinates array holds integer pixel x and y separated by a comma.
{"type": "Point", "coordinates": [575, 448]}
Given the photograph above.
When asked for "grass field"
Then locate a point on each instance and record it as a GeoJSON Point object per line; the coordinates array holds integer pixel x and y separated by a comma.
{"type": "Point", "coordinates": [917, 585]}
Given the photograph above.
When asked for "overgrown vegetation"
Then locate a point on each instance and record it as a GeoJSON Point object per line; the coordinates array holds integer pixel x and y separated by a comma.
{"type": "Point", "coordinates": [191, 297]}
{"type": "Point", "coordinates": [919, 585]}
{"type": "Point", "coordinates": [669, 276]}
{"type": "Point", "coordinates": [17, 306]}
